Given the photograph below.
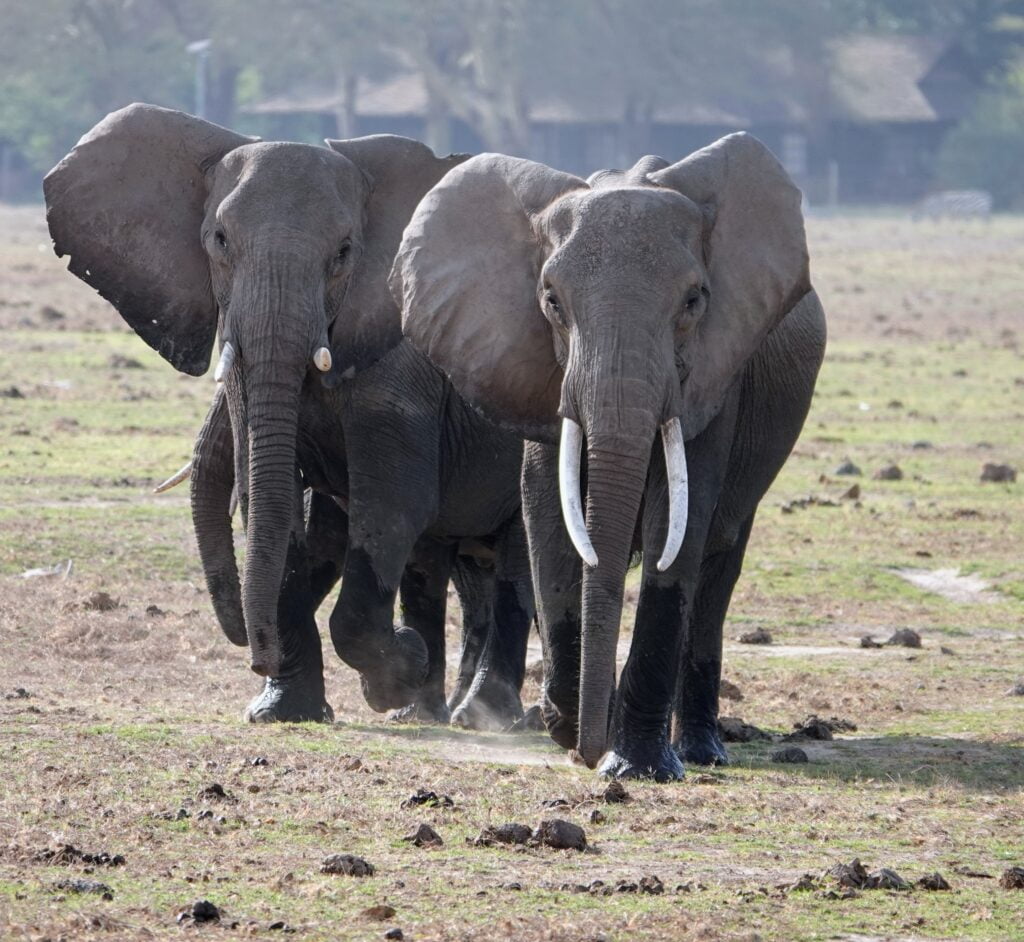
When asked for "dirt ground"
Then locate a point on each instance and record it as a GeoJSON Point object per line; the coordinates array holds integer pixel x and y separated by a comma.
{"type": "Point", "coordinates": [118, 720]}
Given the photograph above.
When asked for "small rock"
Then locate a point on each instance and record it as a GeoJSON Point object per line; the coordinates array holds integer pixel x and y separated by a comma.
{"type": "Point", "coordinates": [866, 641]}
{"type": "Point", "coordinates": [905, 637]}
{"type": "Point", "coordinates": [281, 926]}
{"type": "Point", "coordinates": [11, 392]}
{"type": "Point", "coordinates": [852, 493]}
{"type": "Point", "coordinates": [852, 875]}
{"type": "Point", "coordinates": [201, 911]}
{"type": "Point", "coordinates": [951, 653]}
{"type": "Point", "coordinates": [428, 799]}
{"type": "Point", "coordinates": [998, 473]}
{"type": "Point", "coordinates": [848, 468]}
{"type": "Point", "coordinates": [511, 833]}
{"type": "Point", "coordinates": [627, 886]}
{"type": "Point", "coordinates": [424, 836]}
{"type": "Point", "coordinates": [1012, 879]}
{"type": "Point", "coordinates": [894, 404]}
{"type": "Point", "coordinates": [757, 636]}
{"type": "Point", "coordinates": [1017, 690]}
{"type": "Point", "coordinates": [922, 445]}
{"type": "Point", "coordinates": [514, 885]}
{"type": "Point", "coordinates": [555, 803]}
{"type": "Point", "coordinates": [351, 764]}
{"type": "Point", "coordinates": [100, 602]}
{"type": "Point", "coordinates": [560, 834]}
{"type": "Point", "coordinates": [380, 912]}
{"type": "Point", "coordinates": [85, 886]}
{"type": "Point", "coordinates": [597, 816]}
{"type": "Point", "coordinates": [891, 472]}
{"type": "Point", "coordinates": [51, 314]}
{"type": "Point", "coordinates": [933, 881]}
{"type": "Point", "coordinates": [792, 754]}
{"type": "Point", "coordinates": [615, 793]}
{"type": "Point", "coordinates": [258, 761]}
{"type": "Point", "coordinates": [395, 934]}
{"type": "Point", "coordinates": [118, 361]}
{"type": "Point", "coordinates": [652, 886]}
{"type": "Point", "coordinates": [733, 729]}
{"type": "Point", "coordinates": [347, 865]}
{"type": "Point", "coordinates": [215, 792]}
{"type": "Point", "coordinates": [886, 879]}
{"type": "Point", "coordinates": [729, 691]}
{"type": "Point", "coordinates": [806, 882]}
{"type": "Point", "coordinates": [19, 693]}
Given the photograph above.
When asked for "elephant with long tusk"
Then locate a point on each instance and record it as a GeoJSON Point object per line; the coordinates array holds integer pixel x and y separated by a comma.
{"type": "Point", "coordinates": [653, 333]}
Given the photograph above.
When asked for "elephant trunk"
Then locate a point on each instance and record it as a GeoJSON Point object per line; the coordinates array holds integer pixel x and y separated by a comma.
{"type": "Point", "coordinates": [212, 483]}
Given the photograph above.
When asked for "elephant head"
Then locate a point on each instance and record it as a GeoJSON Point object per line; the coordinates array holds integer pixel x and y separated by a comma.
{"type": "Point", "coordinates": [188, 228]}
{"type": "Point", "coordinates": [620, 306]}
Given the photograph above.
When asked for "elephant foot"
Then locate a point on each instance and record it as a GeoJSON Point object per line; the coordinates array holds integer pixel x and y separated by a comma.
{"type": "Point", "coordinates": [655, 761]}
{"type": "Point", "coordinates": [402, 676]}
{"type": "Point", "coordinates": [702, 747]}
{"type": "Point", "coordinates": [492, 705]}
{"type": "Point", "coordinates": [429, 710]}
{"type": "Point", "coordinates": [563, 728]}
{"type": "Point", "coordinates": [289, 701]}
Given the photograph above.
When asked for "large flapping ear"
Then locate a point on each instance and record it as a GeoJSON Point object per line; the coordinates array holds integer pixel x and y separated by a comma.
{"type": "Point", "coordinates": [466, 277]}
{"type": "Point", "coordinates": [399, 171]}
{"type": "Point", "coordinates": [757, 262]}
{"type": "Point", "coordinates": [127, 205]}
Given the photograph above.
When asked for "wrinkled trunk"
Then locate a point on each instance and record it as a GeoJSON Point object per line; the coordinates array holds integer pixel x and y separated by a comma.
{"type": "Point", "coordinates": [213, 479]}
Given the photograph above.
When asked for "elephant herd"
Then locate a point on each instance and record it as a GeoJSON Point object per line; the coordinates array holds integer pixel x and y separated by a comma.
{"type": "Point", "coordinates": [469, 370]}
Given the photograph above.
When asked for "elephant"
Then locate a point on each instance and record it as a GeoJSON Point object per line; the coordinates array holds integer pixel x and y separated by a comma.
{"type": "Point", "coordinates": [594, 316]}
{"type": "Point", "coordinates": [191, 230]}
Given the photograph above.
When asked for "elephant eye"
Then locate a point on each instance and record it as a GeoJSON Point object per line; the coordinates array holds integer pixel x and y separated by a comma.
{"type": "Point", "coordinates": [551, 301]}
{"type": "Point", "coordinates": [220, 239]}
{"type": "Point", "coordinates": [343, 251]}
{"type": "Point", "coordinates": [695, 299]}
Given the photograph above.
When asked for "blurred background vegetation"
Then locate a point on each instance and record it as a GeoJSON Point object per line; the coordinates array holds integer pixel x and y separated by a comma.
{"type": "Point", "coordinates": [864, 100]}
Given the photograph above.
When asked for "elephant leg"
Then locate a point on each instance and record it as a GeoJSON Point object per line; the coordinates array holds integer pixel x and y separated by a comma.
{"type": "Point", "coordinates": [424, 600]}
{"type": "Point", "coordinates": [475, 583]}
{"type": "Point", "coordinates": [296, 693]}
{"type": "Point", "coordinates": [640, 726]}
{"type": "Point", "coordinates": [695, 736]}
{"type": "Point", "coordinates": [493, 701]}
{"type": "Point", "coordinates": [327, 541]}
{"type": "Point", "coordinates": [556, 570]}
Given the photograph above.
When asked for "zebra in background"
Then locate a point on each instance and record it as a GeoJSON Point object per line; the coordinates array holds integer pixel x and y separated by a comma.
{"type": "Point", "coordinates": [955, 204]}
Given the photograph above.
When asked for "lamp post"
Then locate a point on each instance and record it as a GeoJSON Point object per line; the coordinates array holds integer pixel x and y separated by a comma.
{"type": "Point", "coordinates": [201, 50]}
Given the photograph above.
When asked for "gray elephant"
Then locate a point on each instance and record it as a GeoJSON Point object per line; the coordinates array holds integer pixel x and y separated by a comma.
{"type": "Point", "coordinates": [667, 300]}
{"type": "Point", "coordinates": [189, 229]}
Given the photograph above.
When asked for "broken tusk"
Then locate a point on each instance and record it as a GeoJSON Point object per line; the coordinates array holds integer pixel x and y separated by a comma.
{"type": "Point", "coordinates": [175, 479]}
{"type": "Point", "coordinates": [224, 364]}
{"type": "Point", "coordinates": [322, 359]}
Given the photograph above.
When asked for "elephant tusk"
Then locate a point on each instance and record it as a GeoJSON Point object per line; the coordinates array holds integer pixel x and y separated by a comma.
{"type": "Point", "coordinates": [678, 491]}
{"type": "Point", "coordinates": [322, 359]}
{"type": "Point", "coordinates": [175, 479]}
{"type": "Point", "coordinates": [224, 364]}
{"type": "Point", "coordinates": [569, 452]}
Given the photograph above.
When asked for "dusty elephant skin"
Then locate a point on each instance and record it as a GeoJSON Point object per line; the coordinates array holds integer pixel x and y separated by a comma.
{"type": "Point", "coordinates": [667, 302]}
{"type": "Point", "coordinates": [191, 230]}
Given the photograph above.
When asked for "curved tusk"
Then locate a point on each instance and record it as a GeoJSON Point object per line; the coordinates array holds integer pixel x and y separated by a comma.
{"type": "Point", "coordinates": [322, 360]}
{"type": "Point", "coordinates": [224, 364]}
{"type": "Point", "coordinates": [175, 479]}
{"type": "Point", "coordinates": [569, 451]}
{"type": "Point", "coordinates": [678, 491]}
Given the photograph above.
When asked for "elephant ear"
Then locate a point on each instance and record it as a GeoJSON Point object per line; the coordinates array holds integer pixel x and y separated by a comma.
{"type": "Point", "coordinates": [399, 172]}
{"type": "Point", "coordinates": [127, 205]}
{"type": "Point", "coordinates": [756, 254]}
{"type": "Point", "coordinates": [466, 278]}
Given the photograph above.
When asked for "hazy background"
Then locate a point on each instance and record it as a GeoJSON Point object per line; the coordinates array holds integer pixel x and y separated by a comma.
{"type": "Point", "coordinates": [866, 101]}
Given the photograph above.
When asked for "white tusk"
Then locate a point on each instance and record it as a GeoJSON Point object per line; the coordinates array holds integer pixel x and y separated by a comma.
{"type": "Point", "coordinates": [569, 452]}
{"type": "Point", "coordinates": [322, 359]}
{"type": "Point", "coordinates": [678, 491]}
{"type": "Point", "coordinates": [224, 364]}
{"type": "Point", "coordinates": [175, 479]}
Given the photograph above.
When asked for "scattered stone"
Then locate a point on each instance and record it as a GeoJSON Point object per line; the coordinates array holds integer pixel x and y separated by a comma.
{"type": "Point", "coordinates": [811, 500]}
{"type": "Point", "coordinates": [615, 793]}
{"type": "Point", "coordinates": [180, 815]}
{"type": "Point", "coordinates": [1017, 690]}
{"type": "Point", "coordinates": [652, 886]}
{"type": "Point", "coordinates": [848, 468]}
{"type": "Point", "coordinates": [803, 884]}
{"type": "Point", "coordinates": [11, 392]}
{"type": "Point", "coordinates": [922, 445]}
{"type": "Point", "coordinates": [351, 764]}
{"type": "Point", "coordinates": [951, 653]}
{"type": "Point", "coordinates": [793, 754]}
{"type": "Point", "coordinates": [86, 886]}
{"type": "Point", "coordinates": [891, 472]}
{"type": "Point", "coordinates": [215, 792]}
{"type": "Point", "coordinates": [100, 602]}
{"type": "Point", "coordinates": [733, 729]}
{"type": "Point", "coordinates": [729, 691]}
{"type": "Point", "coordinates": [998, 473]}
{"type": "Point", "coordinates": [379, 912]}
{"type": "Point", "coordinates": [201, 911]}
{"type": "Point", "coordinates": [627, 886]}
{"type": "Point", "coordinates": [560, 834]}
{"type": "Point", "coordinates": [514, 885]}
{"type": "Point", "coordinates": [19, 693]}
{"type": "Point", "coordinates": [866, 641]}
{"type": "Point", "coordinates": [281, 926]}
{"type": "Point", "coordinates": [810, 728]}
{"type": "Point", "coordinates": [424, 836]}
{"type": "Point", "coordinates": [511, 833]}
{"type": "Point", "coordinates": [532, 721]}
{"type": "Point", "coordinates": [51, 314]}
{"type": "Point", "coordinates": [428, 799]}
{"type": "Point", "coordinates": [894, 404]}
{"type": "Point", "coordinates": [852, 875]}
{"type": "Point", "coordinates": [906, 638]}
{"type": "Point", "coordinates": [852, 493]}
{"type": "Point", "coordinates": [933, 881]}
{"type": "Point", "coordinates": [597, 816]}
{"type": "Point", "coordinates": [155, 611]}
{"type": "Point", "coordinates": [757, 636]}
{"type": "Point", "coordinates": [347, 865]}
{"type": "Point", "coordinates": [395, 934]}
{"type": "Point", "coordinates": [258, 761]}
{"type": "Point", "coordinates": [118, 361]}
{"type": "Point", "coordinates": [1012, 879]}
{"type": "Point", "coordinates": [555, 803]}
{"type": "Point", "coordinates": [886, 879]}
{"type": "Point", "coordinates": [69, 854]}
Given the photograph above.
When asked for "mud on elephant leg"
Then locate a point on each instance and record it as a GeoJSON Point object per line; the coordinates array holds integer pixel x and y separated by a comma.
{"type": "Point", "coordinates": [424, 598]}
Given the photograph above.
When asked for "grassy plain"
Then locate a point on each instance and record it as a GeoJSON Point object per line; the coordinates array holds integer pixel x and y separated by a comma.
{"type": "Point", "coordinates": [128, 714]}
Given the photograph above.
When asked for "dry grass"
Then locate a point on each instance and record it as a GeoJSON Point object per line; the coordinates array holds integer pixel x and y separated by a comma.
{"type": "Point", "coordinates": [131, 712]}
